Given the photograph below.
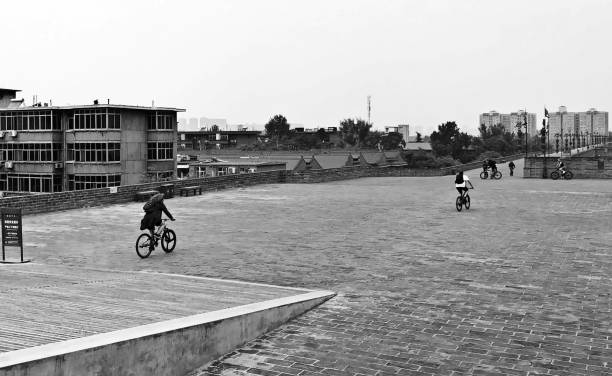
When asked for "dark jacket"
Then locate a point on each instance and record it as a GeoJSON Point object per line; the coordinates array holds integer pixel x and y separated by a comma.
{"type": "Point", "coordinates": [511, 165]}
{"type": "Point", "coordinates": [153, 216]}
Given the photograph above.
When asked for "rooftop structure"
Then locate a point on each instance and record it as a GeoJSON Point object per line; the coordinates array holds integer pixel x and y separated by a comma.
{"type": "Point", "coordinates": [8, 97]}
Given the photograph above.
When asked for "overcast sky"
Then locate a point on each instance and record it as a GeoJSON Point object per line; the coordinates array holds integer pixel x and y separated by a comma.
{"type": "Point", "coordinates": [423, 62]}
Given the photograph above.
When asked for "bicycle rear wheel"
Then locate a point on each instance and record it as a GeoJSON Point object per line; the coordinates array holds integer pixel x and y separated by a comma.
{"type": "Point", "coordinates": [467, 202]}
{"type": "Point", "coordinates": [142, 245]}
{"type": "Point", "coordinates": [498, 175]}
{"type": "Point", "coordinates": [168, 241]}
{"type": "Point", "coordinates": [458, 203]}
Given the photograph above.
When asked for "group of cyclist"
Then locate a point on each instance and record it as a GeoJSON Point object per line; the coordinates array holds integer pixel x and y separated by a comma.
{"type": "Point", "coordinates": [462, 180]}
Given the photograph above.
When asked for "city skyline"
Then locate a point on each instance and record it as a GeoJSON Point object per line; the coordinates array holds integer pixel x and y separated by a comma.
{"type": "Point", "coordinates": [422, 63]}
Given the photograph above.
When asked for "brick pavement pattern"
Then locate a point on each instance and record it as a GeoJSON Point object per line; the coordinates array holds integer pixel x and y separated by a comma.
{"type": "Point", "coordinates": [518, 285]}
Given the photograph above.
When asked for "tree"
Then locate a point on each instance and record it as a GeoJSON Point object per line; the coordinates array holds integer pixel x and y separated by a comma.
{"type": "Point", "coordinates": [323, 136]}
{"type": "Point", "coordinates": [392, 140]}
{"type": "Point", "coordinates": [448, 140]}
{"type": "Point", "coordinates": [277, 127]}
{"type": "Point", "coordinates": [419, 138]}
{"type": "Point", "coordinates": [354, 132]}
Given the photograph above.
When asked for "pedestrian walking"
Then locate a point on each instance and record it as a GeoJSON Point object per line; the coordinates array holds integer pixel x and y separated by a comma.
{"type": "Point", "coordinates": [511, 166]}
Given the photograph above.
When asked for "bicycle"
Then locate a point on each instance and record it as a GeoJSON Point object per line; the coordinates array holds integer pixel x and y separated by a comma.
{"type": "Point", "coordinates": [463, 200]}
{"type": "Point", "coordinates": [166, 236]}
{"type": "Point", "coordinates": [496, 175]}
{"type": "Point", "coordinates": [567, 175]}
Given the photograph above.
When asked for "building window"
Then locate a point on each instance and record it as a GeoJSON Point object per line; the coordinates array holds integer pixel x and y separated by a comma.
{"type": "Point", "coordinates": [29, 121]}
{"type": "Point", "coordinates": [31, 152]}
{"type": "Point", "coordinates": [30, 183]}
{"type": "Point", "coordinates": [160, 121]}
{"type": "Point", "coordinates": [79, 182]}
{"type": "Point", "coordinates": [94, 152]}
{"type": "Point", "coordinates": [99, 118]}
{"type": "Point", "coordinates": [160, 150]}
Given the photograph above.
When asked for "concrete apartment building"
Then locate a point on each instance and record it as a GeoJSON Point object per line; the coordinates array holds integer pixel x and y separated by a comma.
{"type": "Point", "coordinates": [509, 121]}
{"type": "Point", "coordinates": [593, 122]}
{"type": "Point", "coordinates": [562, 122]}
{"type": "Point", "coordinates": [51, 148]}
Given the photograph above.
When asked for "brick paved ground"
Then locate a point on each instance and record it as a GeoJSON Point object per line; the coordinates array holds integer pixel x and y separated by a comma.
{"type": "Point", "coordinates": [518, 285]}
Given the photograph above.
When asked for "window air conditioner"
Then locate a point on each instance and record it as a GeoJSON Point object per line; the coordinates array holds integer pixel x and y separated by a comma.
{"type": "Point", "coordinates": [9, 164]}
{"type": "Point", "coordinates": [13, 133]}
{"type": "Point", "coordinates": [1, 134]}
{"type": "Point", "coordinates": [58, 165]}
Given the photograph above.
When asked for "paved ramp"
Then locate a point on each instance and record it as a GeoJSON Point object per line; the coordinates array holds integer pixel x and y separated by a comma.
{"type": "Point", "coordinates": [52, 311]}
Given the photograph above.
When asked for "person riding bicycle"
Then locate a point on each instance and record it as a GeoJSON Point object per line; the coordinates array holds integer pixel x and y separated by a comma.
{"type": "Point", "coordinates": [561, 166]}
{"type": "Point", "coordinates": [485, 165]}
{"type": "Point", "coordinates": [460, 183]}
{"type": "Point", "coordinates": [153, 213]}
{"type": "Point", "coordinates": [493, 166]}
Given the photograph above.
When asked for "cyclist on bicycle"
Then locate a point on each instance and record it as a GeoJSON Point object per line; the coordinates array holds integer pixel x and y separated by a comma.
{"type": "Point", "coordinates": [153, 213]}
{"type": "Point", "coordinates": [461, 180]}
{"type": "Point", "coordinates": [493, 166]}
{"type": "Point", "coordinates": [561, 166]}
{"type": "Point", "coordinates": [485, 165]}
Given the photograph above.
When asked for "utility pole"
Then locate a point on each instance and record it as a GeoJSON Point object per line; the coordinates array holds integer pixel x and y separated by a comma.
{"type": "Point", "coordinates": [369, 108]}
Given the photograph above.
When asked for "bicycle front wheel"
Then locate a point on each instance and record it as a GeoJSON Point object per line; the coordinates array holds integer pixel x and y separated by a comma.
{"type": "Point", "coordinates": [458, 203]}
{"type": "Point", "coordinates": [554, 175]}
{"type": "Point", "coordinates": [568, 175]}
{"type": "Point", "coordinates": [484, 175]}
{"type": "Point", "coordinates": [142, 245]}
{"type": "Point", "coordinates": [497, 175]}
{"type": "Point", "coordinates": [467, 202]}
{"type": "Point", "coordinates": [168, 241]}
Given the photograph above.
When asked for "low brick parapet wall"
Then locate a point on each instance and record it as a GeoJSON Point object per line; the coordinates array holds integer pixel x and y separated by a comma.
{"type": "Point", "coordinates": [50, 202]}
{"type": "Point", "coordinates": [344, 173]}
{"type": "Point", "coordinates": [581, 167]}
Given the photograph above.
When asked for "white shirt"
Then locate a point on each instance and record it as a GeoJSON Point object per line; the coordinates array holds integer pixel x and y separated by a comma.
{"type": "Point", "coordinates": [465, 178]}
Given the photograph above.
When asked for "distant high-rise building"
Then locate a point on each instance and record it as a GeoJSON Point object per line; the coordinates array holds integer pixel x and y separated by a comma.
{"type": "Point", "coordinates": [182, 124]}
{"type": "Point", "coordinates": [593, 122]}
{"type": "Point", "coordinates": [510, 121]}
{"type": "Point", "coordinates": [562, 122]}
{"type": "Point", "coordinates": [192, 124]}
{"type": "Point", "coordinates": [207, 123]}
{"type": "Point", "coordinates": [519, 117]}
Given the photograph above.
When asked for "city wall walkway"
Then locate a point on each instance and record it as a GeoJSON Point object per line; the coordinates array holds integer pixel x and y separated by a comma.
{"type": "Point", "coordinates": [519, 284]}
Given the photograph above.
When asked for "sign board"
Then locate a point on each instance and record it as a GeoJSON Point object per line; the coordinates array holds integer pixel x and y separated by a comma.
{"type": "Point", "coordinates": [113, 189]}
{"type": "Point", "coordinates": [12, 235]}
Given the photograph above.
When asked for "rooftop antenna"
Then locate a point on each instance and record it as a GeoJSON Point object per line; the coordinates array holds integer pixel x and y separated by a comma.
{"type": "Point", "coordinates": [369, 107]}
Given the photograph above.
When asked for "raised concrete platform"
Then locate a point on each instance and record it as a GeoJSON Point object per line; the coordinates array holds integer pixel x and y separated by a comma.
{"type": "Point", "coordinates": [69, 321]}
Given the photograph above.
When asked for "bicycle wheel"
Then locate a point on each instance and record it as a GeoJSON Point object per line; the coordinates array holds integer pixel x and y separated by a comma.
{"type": "Point", "coordinates": [168, 241]}
{"type": "Point", "coordinates": [554, 175]}
{"type": "Point", "coordinates": [568, 175]}
{"type": "Point", "coordinates": [484, 175]}
{"type": "Point", "coordinates": [458, 203]}
{"type": "Point", "coordinates": [498, 175]}
{"type": "Point", "coordinates": [467, 202]}
{"type": "Point", "coordinates": [142, 245]}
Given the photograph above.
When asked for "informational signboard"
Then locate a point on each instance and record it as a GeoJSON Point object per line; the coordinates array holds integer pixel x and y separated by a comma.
{"type": "Point", "coordinates": [12, 235]}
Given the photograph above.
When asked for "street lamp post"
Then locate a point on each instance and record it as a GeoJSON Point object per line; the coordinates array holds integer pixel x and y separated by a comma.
{"type": "Point", "coordinates": [557, 136]}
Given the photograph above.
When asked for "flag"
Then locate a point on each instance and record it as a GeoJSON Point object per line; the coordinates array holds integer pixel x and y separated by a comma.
{"type": "Point", "coordinates": [545, 112]}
